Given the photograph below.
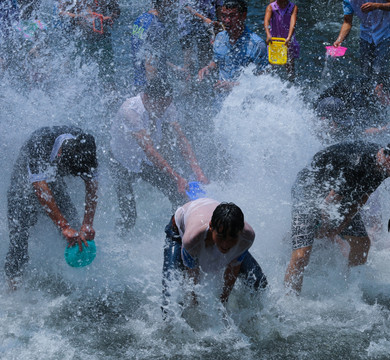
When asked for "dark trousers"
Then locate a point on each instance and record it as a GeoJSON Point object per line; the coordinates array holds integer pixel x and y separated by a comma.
{"type": "Point", "coordinates": [123, 183]}
{"type": "Point", "coordinates": [23, 210]}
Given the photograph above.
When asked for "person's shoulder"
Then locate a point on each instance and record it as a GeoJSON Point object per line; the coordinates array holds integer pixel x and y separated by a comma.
{"type": "Point", "coordinates": [146, 17]}
{"type": "Point", "coordinates": [256, 43]}
{"type": "Point", "coordinates": [248, 231]}
{"type": "Point", "coordinates": [253, 38]}
{"type": "Point", "coordinates": [221, 37]}
{"type": "Point", "coordinates": [273, 5]}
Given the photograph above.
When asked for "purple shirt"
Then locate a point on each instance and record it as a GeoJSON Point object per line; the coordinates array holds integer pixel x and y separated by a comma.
{"type": "Point", "coordinates": [280, 25]}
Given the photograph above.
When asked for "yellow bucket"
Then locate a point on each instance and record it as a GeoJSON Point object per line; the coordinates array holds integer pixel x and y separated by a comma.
{"type": "Point", "coordinates": [277, 51]}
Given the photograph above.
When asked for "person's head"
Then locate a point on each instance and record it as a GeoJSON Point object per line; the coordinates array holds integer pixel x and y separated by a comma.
{"type": "Point", "coordinates": [164, 7]}
{"type": "Point", "coordinates": [333, 109]}
{"type": "Point", "coordinates": [78, 155]}
{"type": "Point", "coordinates": [233, 16]}
{"type": "Point", "coordinates": [158, 96]}
{"type": "Point", "coordinates": [383, 158]}
{"type": "Point", "coordinates": [226, 224]}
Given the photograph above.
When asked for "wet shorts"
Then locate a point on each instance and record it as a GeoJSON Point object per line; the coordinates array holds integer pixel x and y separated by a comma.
{"type": "Point", "coordinates": [305, 225]}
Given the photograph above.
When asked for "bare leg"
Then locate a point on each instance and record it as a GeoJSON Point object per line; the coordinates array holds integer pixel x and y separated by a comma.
{"type": "Point", "coordinates": [360, 246]}
{"type": "Point", "coordinates": [294, 273]}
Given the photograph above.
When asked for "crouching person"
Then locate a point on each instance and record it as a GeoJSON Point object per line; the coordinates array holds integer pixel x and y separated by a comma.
{"type": "Point", "coordinates": [208, 236]}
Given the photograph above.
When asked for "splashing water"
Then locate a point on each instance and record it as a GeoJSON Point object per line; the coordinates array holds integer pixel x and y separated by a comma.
{"type": "Point", "coordinates": [264, 134]}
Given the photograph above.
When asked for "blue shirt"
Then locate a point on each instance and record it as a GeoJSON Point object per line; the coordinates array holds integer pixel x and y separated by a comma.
{"type": "Point", "coordinates": [147, 40]}
{"type": "Point", "coordinates": [248, 49]}
{"type": "Point", "coordinates": [374, 25]}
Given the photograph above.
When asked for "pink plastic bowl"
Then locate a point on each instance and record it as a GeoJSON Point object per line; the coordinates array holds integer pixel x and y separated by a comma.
{"type": "Point", "coordinates": [335, 51]}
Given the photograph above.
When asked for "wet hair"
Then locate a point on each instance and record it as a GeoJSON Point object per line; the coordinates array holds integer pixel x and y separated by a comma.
{"type": "Point", "coordinates": [240, 5]}
{"type": "Point", "coordinates": [330, 107]}
{"type": "Point", "coordinates": [227, 218]}
{"type": "Point", "coordinates": [158, 88]}
{"type": "Point", "coordinates": [78, 155]}
{"type": "Point", "coordinates": [334, 109]}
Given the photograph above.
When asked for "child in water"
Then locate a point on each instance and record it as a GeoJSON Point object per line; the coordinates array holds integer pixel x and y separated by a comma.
{"type": "Point", "coordinates": [279, 21]}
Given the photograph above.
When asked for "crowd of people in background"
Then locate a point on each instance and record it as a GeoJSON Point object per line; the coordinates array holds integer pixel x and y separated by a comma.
{"type": "Point", "coordinates": [215, 46]}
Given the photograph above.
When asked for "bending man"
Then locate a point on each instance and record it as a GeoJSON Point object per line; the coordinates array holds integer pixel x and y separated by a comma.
{"type": "Point", "coordinates": [327, 197]}
{"type": "Point", "coordinates": [37, 180]}
{"type": "Point", "coordinates": [142, 126]}
{"type": "Point", "coordinates": [207, 236]}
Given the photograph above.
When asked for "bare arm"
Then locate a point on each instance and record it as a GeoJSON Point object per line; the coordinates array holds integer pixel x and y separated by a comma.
{"type": "Point", "coordinates": [146, 143]}
{"type": "Point", "coordinates": [344, 31]}
{"type": "Point", "coordinates": [189, 155]}
{"type": "Point", "coordinates": [230, 277]}
{"type": "Point", "coordinates": [47, 201]}
{"type": "Point", "coordinates": [293, 22]}
{"type": "Point", "coordinates": [371, 6]}
{"type": "Point", "coordinates": [294, 274]}
{"type": "Point", "coordinates": [91, 188]}
{"type": "Point", "coordinates": [267, 19]}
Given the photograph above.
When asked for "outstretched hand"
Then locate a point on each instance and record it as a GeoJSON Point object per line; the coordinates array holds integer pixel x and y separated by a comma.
{"type": "Point", "coordinates": [368, 6]}
{"type": "Point", "coordinates": [224, 85]}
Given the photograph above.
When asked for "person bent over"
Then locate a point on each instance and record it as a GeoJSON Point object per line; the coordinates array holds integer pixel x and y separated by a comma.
{"type": "Point", "coordinates": [207, 236]}
{"type": "Point", "coordinates": [327, 197]}
{"type": "Point", "coordinates": [143, 125]}
{"type": "Point", "coordinates": [37, 182]}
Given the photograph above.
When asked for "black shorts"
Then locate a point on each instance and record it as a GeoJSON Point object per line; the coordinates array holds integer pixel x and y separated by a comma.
{"type": "Point", "coordinates": [306, 224]}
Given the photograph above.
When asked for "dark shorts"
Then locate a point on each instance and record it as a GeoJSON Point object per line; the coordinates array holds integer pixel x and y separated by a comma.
{"type": "Point", "coordinates": [305, 226]}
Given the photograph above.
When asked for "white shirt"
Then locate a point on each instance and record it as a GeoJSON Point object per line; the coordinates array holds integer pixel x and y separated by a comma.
{"type": "Point", "coordinates": [192, 220]}
{"type": "Point", "coordinates": [132, 117]}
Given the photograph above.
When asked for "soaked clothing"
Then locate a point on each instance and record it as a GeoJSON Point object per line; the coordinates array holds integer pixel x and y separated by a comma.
{"type": "Point", "coordinates": [374, 25]}
{"type": "Point", "coordinates": [231, 59]}
{"type": "Point", "coordinates": [132, 117]}
{"type": "Point", "coordinates": [124, 181]}
{"type": "Point", "coordinates": [38, 160]}
{"type": "Point", "coordinates": [192, 221]}
{"type": "Point", "coordinates": [374, 37]}
{"type": "Point", "coordinates": [180, 251]}
{"type": "Point", "coordinates": [130, 163]}
{"type": "Point", "coordinates": [306, 224]}
{"type": "Point", "coordinates": [280, 26]}
{"type": "Point", "coordinates": [350, 169]}
{"type": "Point", "coordinates": [148, 40]}
{"type": "Point", "coordinates": [92, 29]}
{"type": "Point", "coordinates": [94, 43]}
